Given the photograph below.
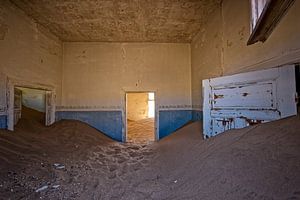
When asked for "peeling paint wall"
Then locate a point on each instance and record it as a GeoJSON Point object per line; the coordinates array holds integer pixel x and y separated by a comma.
{"type": "Point", "coordinates": [137, 106]}
{"type": "Point", "coordinates": [206, 56]}
{"type": "Point", "coordinates": [27, 51]}
{"type": "Point", "coordinates": [281, 47]}
{"type": "Point", "coordinates": [220, 47]}
{"type": "Point", "coordinates": [97, 75]}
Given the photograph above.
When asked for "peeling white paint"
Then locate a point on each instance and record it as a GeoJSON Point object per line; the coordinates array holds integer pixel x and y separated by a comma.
{"type": "Point", "coordinates": [240, 100]}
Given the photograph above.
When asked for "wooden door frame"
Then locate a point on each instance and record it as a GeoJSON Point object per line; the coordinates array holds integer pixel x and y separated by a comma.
{"type": "Point", "coordinates": [156, 113]}
{"type": "Point", "coordinates": [10, 88]}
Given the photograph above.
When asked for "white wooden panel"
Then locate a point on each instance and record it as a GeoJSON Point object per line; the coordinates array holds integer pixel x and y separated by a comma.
{"type": "Point", "coordinates": [10, 105]}
{"type": "Point", "coordinates": [243, 99]}
{"type": "Point", "coordinates": [247, 95]}
{"type": "Point", "coordinates": [3, 105]}
{"type": "Point", "coordinates": [207, 107]}
{"type": "Point", "coordinates": [17, 105]}
{"type": "Point", "coordinates": [50, 108]}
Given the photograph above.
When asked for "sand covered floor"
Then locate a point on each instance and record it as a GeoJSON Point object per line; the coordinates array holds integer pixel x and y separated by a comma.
{"type": "Point", "coordinates": [71, 160]}
{"type": "Point", "coordinates": [140, 131]}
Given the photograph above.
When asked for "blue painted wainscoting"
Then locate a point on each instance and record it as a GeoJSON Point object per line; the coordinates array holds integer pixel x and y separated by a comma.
{"type": "Point", "coordinates": [108, 122]}
{"type": "Point", "coordinates": [3, 122]}
{"type": "Point", "coordinates": [111, 124]}
{"type": "Point", "coordinates": [197, 115]}
{"type": "Point", "coordinates": [171, 120]}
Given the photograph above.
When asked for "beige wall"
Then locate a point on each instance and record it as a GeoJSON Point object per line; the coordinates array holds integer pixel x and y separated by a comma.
{"type": "Point", "coordinates": [27, 51]}
{"type": "Point", "coordinates": [96, 75]}
{"type": "Point", "coordinates": [220, 47]}
{"type": "Point", "coordinates": [282, 46]}
{"type": "Point", "coordinates": [206, 56]}
{"type": "Point", "coordinates": [137, 106]}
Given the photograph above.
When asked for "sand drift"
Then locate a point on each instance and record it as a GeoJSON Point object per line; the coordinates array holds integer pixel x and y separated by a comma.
{"type": "Point", "coordinates": [71, 160]}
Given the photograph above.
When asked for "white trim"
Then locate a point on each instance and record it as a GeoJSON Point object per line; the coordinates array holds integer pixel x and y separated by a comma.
{"type": "Point", "coordinates": [119, 108]}
{"type": "Point", "coordinates": [3, 100]}
{"type": "Point", "coordinates": [88, 108]}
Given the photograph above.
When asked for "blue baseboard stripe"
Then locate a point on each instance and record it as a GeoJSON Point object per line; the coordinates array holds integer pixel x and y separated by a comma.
{"type": "Point", "coordinates": [171, 120]}
{"type": "Point", "coordinates": [3, 122]}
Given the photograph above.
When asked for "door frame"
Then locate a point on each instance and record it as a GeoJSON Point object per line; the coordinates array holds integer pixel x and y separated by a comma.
{"type": "Point", "coordinates": [10, 88]}
{"type": "Point", "coordinates": [156, 113]}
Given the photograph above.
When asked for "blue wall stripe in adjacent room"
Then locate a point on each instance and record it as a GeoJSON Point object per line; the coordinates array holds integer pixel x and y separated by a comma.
{"type": "Point", "coordinates": [171, 120]}
{"type": "Point", "coordinates": [108, 122]}
{"type": "Point", "coordinates": [3, 122]}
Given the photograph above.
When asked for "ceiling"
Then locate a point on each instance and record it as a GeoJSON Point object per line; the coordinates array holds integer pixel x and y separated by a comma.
{"type": "Point", "coordinates": [175, 21]}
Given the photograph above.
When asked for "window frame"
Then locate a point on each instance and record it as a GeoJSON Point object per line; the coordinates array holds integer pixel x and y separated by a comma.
{"type": "Point", "coordinates": [271, 14]}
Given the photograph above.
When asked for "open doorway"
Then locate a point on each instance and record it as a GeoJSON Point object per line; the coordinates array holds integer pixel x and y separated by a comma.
{"type": "Point", "coordinates": [140, 116]}
{"type": "Point", "coordinates": [29, 104]}
{"type": "Point", "coordinates": [23, 96]}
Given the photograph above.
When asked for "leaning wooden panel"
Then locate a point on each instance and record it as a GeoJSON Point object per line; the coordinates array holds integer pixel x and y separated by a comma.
{"type": "Point", "coordinates": [241, 100]}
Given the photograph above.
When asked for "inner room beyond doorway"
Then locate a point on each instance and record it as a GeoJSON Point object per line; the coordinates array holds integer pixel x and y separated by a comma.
{"type": "Point", "coordinates": [29, 104]}
{"type": "Point", "coordinates": [140, 117]}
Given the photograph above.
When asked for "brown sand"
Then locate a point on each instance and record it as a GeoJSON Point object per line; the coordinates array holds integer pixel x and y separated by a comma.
{"type": "Point", "coordinates": [140, 131]}
{"type": "Point", "coordinates": [259, 162]}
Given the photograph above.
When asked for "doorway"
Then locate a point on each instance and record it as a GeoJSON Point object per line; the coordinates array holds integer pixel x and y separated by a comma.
{"type": "Point", "coordinates": [140, 117]}
{"type": "Point", "coordinates": [15, 101]}
{"type": "Point", "coordinates": [29, 105]}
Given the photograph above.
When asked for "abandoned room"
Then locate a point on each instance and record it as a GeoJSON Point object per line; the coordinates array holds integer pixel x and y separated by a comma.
{"type": "Point", "coordinates": [150, 99]}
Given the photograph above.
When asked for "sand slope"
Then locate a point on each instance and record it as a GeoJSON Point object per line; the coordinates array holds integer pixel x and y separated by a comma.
{"type": "Point", "coordinates": [140, 131]}
{"type": "Point", "coordinates": [259, 162]}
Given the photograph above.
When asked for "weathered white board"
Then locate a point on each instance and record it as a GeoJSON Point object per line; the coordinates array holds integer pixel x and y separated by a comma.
{"type": "Point", "coordinates": [17, 106]}
{"type": "Point", "coordinates": [240, 100]}
{"type": "Point", "coordinates": [3, 83]}
{"type": "Point", "coordinates": [50, 108]}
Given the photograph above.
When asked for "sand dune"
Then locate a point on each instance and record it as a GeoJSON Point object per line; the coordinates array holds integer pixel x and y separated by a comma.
{"type": "Point", "coordinates": [71, 160]}
{"type": "Point", "coordinates": [258, 162]}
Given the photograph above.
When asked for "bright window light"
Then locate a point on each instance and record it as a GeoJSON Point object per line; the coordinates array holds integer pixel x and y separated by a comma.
{"type": "Point", "coordinates": [151, 105]}
{"type": "Point", "coordinates": [151, 96]}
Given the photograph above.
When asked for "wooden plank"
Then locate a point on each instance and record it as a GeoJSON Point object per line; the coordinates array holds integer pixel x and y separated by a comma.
{"type": "Point", "coordinates": [244, 99]}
